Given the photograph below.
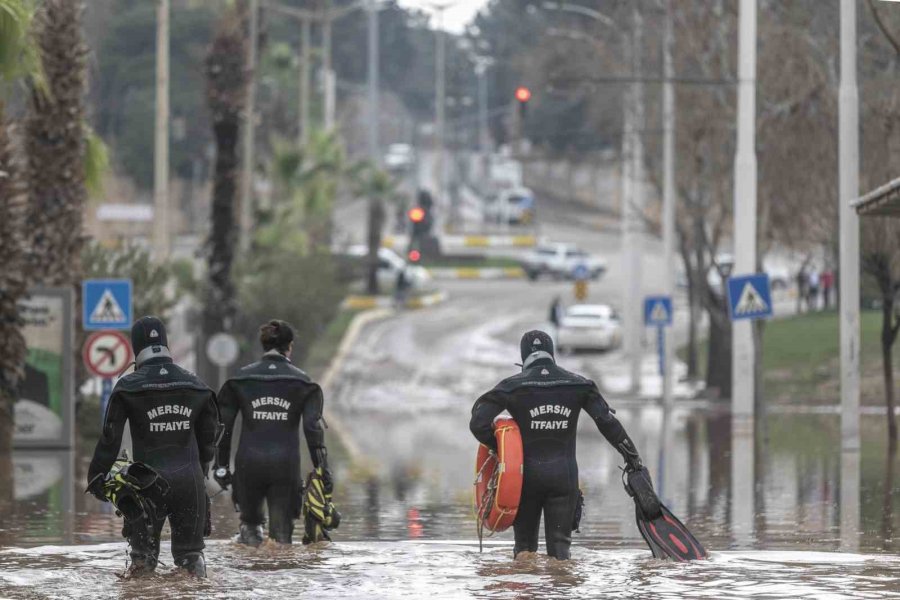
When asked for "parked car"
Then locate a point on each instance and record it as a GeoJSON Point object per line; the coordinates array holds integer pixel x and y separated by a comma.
{"type": "Point", "coordinates": [589, 327]}
{"type": "Point", "coordinates": [515, 206]}
{"type": "Point", "coordinates": [389, 266]}
{"type": "Point", "coordinates": [560, 261]}
{"type": "Point", "coordinates": [399, 157]}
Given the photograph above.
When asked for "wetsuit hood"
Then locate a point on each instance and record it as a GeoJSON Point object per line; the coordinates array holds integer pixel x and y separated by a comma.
{"type": "Point", "coordinates": [535, 341]}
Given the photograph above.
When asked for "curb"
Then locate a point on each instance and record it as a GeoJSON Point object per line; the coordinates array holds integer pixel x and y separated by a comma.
{"type": "Point", "coordinates": [480, 273]}
{"type": "Point", "coordinates": [353, 331]}
{"type": "Point", "coordinates": [449, 242]}
{"type": "Point", "coordinates": [360, 302]}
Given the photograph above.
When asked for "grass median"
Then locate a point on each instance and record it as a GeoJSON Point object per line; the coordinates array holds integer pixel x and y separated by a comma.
{"type": "Point", "coordinates": [801, 358]}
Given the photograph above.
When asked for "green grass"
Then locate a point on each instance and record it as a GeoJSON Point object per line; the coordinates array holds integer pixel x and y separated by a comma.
{"type": "Point", "coordinates": [476, 262]}
{"type": "Point", "coordinates": [801, 357]}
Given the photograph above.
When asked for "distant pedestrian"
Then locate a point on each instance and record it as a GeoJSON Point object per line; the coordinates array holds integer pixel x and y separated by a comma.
{"type": "Point", "coordinates": [556, 312]}
{"type": "Point", "coordinates": [827, 281]}
{"type": "Point", "coordinates": [402, 289]}
{"type": "Point", "coordinates": [813, 290]}
{"type": "Point", "coordinates": [801, 288]}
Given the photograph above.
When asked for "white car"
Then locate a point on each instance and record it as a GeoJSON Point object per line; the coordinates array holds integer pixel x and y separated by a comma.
{"type": "Point", "coordinates": [399, 157]}
{"type": "Point", "coordinates": [513, 206]}
{"type": "Point", "coordinates": [589, 327]}
{"type": "Point", "coordinates": [562, 261]}
{"type": "Point", "coordinates": [389, 266]}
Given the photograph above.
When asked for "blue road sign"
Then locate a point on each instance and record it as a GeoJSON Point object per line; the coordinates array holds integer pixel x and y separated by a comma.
{"type": "Point", "coordinates": [106, 304]}
{"type": "Point", "coordinates": [581, 272]}
{"type": "Point", "coordinates": [749, 297]}
{"type": "Point", "coordinates": [658, 311]}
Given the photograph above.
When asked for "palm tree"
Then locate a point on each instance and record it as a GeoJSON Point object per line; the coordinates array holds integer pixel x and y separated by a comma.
{"type": "Point", "coordinates": [55, 146]}
{"type": "Point", "coordinates": [17, 59]}
{"type": "Point", "coordinates": [227, 78]}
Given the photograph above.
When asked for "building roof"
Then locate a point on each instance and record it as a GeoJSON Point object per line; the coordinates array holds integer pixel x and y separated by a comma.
{"type": "Point", "coordinates": [882, 202]}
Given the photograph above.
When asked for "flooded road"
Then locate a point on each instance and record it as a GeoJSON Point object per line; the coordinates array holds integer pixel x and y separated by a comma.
{"type": "Point", "coordinates": [786, 517]}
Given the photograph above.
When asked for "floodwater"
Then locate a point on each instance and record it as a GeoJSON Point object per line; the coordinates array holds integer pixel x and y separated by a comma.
{"type": "Point", "coordinates": [771, 513]}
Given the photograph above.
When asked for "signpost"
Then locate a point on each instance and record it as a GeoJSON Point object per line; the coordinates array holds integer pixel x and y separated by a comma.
{"type": "Point", "coordinates": [106, 354]}
{"type": "Point", "coordinates": [106, 304]}
{"type": "Point", "coordinates": [658, 313]}
{"type": "Point", "coordinates": [749, 297]}
{"type": "Point", "coordinates": [581, 274]}
{"type": "Point", "coordinates": [222, 350]}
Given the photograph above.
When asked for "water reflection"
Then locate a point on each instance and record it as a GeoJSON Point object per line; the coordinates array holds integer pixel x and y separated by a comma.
{"type": "Point", "coordinates": [800, 493]}
{"type": "Point", "coordinates": [849, 511]}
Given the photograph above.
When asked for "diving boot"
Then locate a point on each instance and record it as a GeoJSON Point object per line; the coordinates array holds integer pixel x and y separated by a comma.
{"type": "Point", "coordinates": [193, 563]}
{"type": "Point", "coordinates": [251, 535]}
{"type": "Point", "coordinates": [141, 565]}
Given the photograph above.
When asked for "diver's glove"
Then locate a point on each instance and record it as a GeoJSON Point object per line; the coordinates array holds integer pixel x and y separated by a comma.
{"type": "Point", "coordinates": [223, 477]}
{"type": "Point", "coordinates": [95, 487]}
{"type": "Point", "coordinates": [639, 486]}
{"type": "Point", "coordinates": [628, 451]}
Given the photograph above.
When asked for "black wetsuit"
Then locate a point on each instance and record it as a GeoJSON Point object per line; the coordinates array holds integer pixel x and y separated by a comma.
{"type": "Point", "coordinates": [272, 396]}
{"type": "Point", "coordinates": [545, 401]}
{"type": "Point", "coordinates": [174, 422]}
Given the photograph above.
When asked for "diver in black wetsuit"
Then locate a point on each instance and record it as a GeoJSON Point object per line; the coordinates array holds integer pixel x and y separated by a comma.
{"type": "Point", "coordinates": [272, 396]}
{"type": "Point", "coordinates": [174, 424]}
{"type": "Point", "coordinates": [545, 401]}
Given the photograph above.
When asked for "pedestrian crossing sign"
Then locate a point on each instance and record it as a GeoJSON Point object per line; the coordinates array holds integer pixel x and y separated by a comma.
{"type": "Point", "coordinates": [106, 304]}
{"type": "Point", "coordinates": [750, 297]}
{"type": "Point", "coordinates": [658, 311]}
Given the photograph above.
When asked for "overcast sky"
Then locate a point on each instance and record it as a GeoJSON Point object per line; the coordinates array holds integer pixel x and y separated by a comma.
{"type": "Point", "coordinates": [456, 17]}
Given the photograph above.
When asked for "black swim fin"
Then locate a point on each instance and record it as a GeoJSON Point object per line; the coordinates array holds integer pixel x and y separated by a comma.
{"type": "Point", "coordinates": [667, 536]}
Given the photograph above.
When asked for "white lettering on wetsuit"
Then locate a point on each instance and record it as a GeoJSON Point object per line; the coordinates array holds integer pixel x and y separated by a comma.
{"type": "Point", "coordinates": [550, 409]}
{"type": "Point", "coordinates": [262, 415]}
{"type": "Point", "coordinates": [271, 401]}
{"type": "Point", "coordinates": [170, 426]}
{"type": "Point", "coordinates": [549, 424]}
{"type": "Point", "coordinates": [169, 409]}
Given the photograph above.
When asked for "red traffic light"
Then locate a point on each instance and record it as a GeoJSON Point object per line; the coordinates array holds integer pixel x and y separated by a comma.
{"type": "Point", "coordinates": [416, 214]}
{"type": "Point", "coordinates": [415, 255]}
{"type": "Point", "coordinates": [523, 94]}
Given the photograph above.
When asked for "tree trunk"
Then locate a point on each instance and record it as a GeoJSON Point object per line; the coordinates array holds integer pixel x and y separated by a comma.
{"type": "Point", "coordinates": [375, 225]}
{"type": "Point", "coordinates": [227, 78]}
{"type": "Point", "coordinates": [888, 335]}
{"type": "Point", "coordinates": [13, 211]}
{"type": "Point", "coordinates": [718, 361]}
{"type": "Point", "coordinates": [55, 147]}
{"type": "Point", "coordinates": [693, 312]}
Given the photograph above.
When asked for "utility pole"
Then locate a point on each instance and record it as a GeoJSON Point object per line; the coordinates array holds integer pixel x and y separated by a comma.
{"type": "Point", "coordinates": [848, 165]}
{"type": "Point", "coordinates": [633, 206]}
{"type": "Point", "coordinates": [246, 215]}
{"type": "Point", "coordinates": [743, 381]}
{"type": "Point", "coordinates": [161, 137]}
{"type": "Point", "coordinates": [440, 100]}
{"type": "Point", "coordinates": [328, 78]}
{"type": "Point", "coordinates": [373, 83]}
{"type": "Point", "coordinates": [668, 190]}
{"type": "Point", "coordinates": [305, 71]}
{"type": "Point", "coordinates": [481, 66]}
{"type": "Point", "coordinates": [849, 229]}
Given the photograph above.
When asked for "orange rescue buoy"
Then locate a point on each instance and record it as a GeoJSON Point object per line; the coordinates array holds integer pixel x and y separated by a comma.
{"type": "Point", "coordinates": [498, 483]}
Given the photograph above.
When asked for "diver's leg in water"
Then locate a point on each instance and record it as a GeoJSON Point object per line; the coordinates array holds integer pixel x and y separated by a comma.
{"type": "Point", "coordinates": [528, 522]}
{"type": "Point", "coordinates": [250, 495]}
{"type": "Point", "coordinates": [142, 532]}
{"type": "Point", "coordinates": [283, 499]}
{"type": "Point", "coordinates": [558, 514]}
{"type": "Point", "coordinates": [187, 519]}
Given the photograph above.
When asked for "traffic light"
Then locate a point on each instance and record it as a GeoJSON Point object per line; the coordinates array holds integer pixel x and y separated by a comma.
{"type": "Point", "coordinates": [414, 255]}
{"type": "Point", "coordinates": [523, 95]}
{"type": "Point", "coordinates": [420, 220]}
